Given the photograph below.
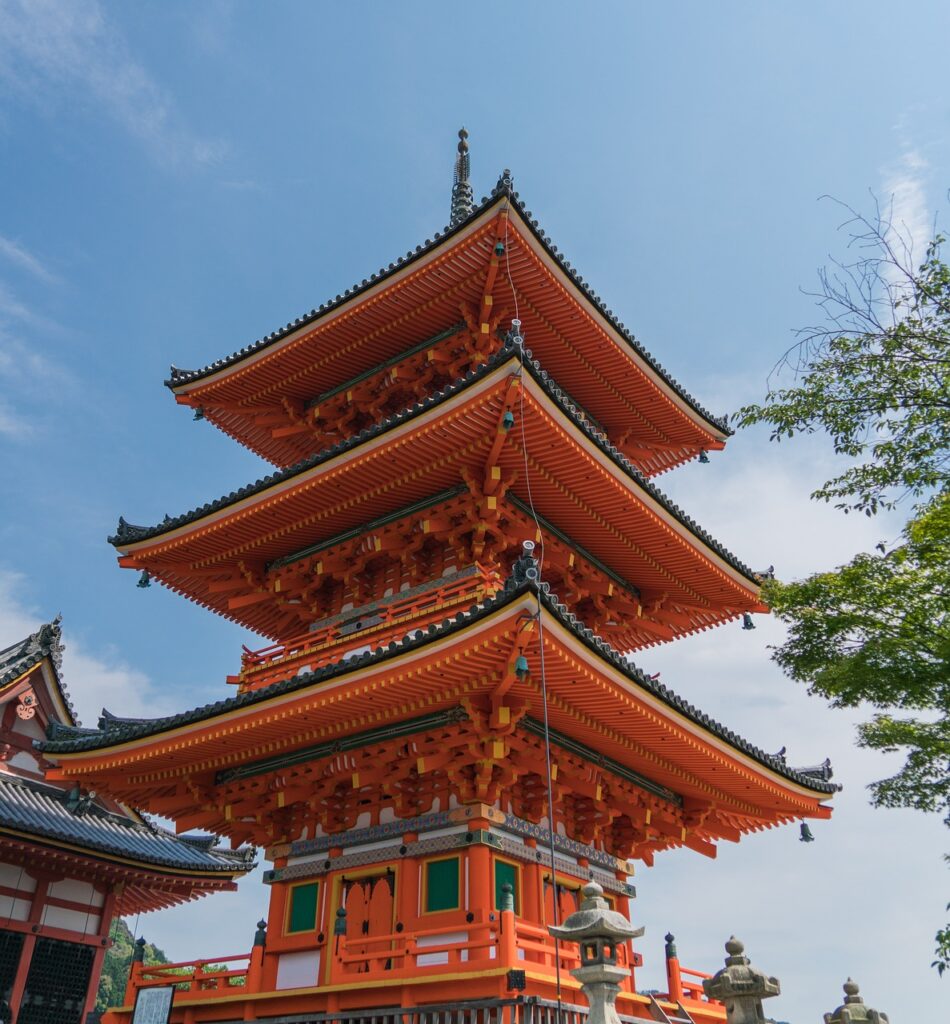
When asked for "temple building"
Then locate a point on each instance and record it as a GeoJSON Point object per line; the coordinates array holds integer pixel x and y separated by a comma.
{"type": "Point", "coordinates": [444, 739]}
{"type": "Point", "coordinates": [72, 860]}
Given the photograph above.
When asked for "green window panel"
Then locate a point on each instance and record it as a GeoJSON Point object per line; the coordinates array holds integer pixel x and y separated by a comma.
{"type": "Point", "coordinates": [442, 884]}
{"type": "Point", "coordinates": [303, 907]}
{"type": "Point", "coordinates": [507, 874]}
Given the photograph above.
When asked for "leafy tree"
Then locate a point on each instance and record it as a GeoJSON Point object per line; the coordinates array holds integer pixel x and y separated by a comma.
{"type": "Point", "coordinates": [116, 963]}
{"type": "Point", "coordinates": [875, 377]}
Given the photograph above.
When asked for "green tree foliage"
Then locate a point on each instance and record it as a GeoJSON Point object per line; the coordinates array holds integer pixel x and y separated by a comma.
{"type": "Point", "coordinates": [115, 967]}
{"type": "Point", "coordinates": [875, 377]}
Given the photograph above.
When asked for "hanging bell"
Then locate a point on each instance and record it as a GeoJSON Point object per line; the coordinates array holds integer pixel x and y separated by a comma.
{"type": "Point", "coordinates": [806, 836]}
{"type": "Point", "coordinates": [199, 414]}
{"type": "Point", "coordinates": [499, 248]}
{"type": "Point", "coordinates": [704, 457]}
{"type": "Point", "coordinates": [144, 580]}
{"type": "Point", "coordinates": [747, 622]}
{"type": "Point", "coordinates": [521, 667]}
{"type": "Point", "coordinates": [508, 420]}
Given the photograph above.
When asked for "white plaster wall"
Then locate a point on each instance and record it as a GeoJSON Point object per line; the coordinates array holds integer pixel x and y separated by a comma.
{"type": "Point", "coordinates": [298, 970]}
{"type": "Point", "coordinates": [78, 892]}
{"type": "Point", "coordinates": [12, 876]}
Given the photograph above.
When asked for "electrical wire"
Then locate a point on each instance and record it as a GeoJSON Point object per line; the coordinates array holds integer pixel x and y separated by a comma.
{"type": "Point", "coordinates": [520, 345]}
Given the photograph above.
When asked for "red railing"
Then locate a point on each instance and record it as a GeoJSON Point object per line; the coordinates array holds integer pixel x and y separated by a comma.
{"type": "Point", "coordinates": [386, 620]}
{"type": "Point", "coordinates": [196, 977]}
{"type": "Point", "coordinates": [411, 952]}
{"type": "Point", "coordinates": [504, 942]}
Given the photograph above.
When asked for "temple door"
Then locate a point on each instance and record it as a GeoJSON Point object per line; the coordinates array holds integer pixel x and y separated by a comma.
{"type": "Point", "coordinates": [568, 900]}
{"type": "Point", "coordinates": [369, 902]}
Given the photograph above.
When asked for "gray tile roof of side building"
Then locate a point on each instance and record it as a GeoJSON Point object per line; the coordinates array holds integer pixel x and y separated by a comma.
{"type": "Point", "coordinates": [127, 533]}
{"type": "Point", "coordinates": [504, 187]}
{"type": "Point", "coordinates": [47, 812]}
{"type": "Point", "coordinates": [63, 740]}
{"type": "Point", "coordinates": [46, 642]}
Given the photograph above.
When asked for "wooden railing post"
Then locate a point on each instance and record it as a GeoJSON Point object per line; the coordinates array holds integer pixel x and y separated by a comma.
{"type": "Point", "coordinates": [508, 940]}
{"type": "Point", "coordinates": [135, 971]}
{"type": "Point", "coordinates": [255, 967]}
{"type": "Point", "coordinates": [674, 979]}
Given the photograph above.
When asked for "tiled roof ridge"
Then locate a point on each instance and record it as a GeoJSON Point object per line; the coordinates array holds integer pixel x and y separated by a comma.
{"type": "Point", "coordinates": [45, 642]}
{"type": "Point", "coordinates": [504, 187]}
{"type": "Point", "coordinates": [45, 826]}
{"type": "Point", "coordinates": [518, 584]}
{"type": "Point", "coordinates": [126, 533]}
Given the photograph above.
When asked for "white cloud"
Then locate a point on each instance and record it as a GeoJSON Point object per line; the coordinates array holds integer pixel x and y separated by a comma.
{"type": "Point", "coordinates": [94, 679]}
{"type": "Point", "coordinates": [20, 257]}
{"type": "Point", "coordinates": [12, 423]}
{"type": "Point", "coordinates": [906, 209]}
{"type": "Point", "coordinates": [51, 50]}
{"type": "Point", "coordinates": [865, 898]}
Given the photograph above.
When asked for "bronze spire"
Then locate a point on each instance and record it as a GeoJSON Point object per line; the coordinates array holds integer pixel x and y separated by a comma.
{"type": "Point", "coordinates": [463, 199]}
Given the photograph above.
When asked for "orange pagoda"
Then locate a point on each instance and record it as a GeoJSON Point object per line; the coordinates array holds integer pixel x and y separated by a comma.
{"type": "Point", "coordinates": [443, 740]}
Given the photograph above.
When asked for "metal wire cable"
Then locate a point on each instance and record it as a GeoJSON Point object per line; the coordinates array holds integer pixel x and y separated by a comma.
{"type": "Point", "coordinates": [519, 344]}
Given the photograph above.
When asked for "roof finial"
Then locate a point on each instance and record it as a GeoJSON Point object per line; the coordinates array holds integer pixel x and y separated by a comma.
{"type": "Point", "coordinates": [463, 199]}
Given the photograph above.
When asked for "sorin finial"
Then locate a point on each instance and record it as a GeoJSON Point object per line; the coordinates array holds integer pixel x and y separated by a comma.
{"type": "Point", "coordinates": [463, 198]}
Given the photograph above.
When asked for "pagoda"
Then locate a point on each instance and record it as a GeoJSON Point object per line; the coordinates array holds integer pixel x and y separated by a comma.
{"type": "Point", "coordinates": [459, 547]}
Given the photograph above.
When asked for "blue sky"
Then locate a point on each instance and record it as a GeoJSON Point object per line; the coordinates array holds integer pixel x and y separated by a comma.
{"type": "Point", "coordinates": [180, 178]}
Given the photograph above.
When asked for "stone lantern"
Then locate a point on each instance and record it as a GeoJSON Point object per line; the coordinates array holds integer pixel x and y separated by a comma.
{"type": "Point", "coordinates": [853, 1010]}
{"type": "Point", "coordinates": [598, 930]}
{"type": "Point", "coordinates": [741, 987]}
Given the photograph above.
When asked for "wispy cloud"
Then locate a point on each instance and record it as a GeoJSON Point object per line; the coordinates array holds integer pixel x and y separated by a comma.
{"type": "Point", "coordinates": [13, 252]}
{"type": "Point", "coordinates": [904, 185]}
{"type": "Point", "coordinates": [25, 373]}
{"type": "Point", "coordinates": [12, 423]}
{"type": "Point", "coordinates": [52, 50]}
{"type": "Point", "coordinates": [95, 679]}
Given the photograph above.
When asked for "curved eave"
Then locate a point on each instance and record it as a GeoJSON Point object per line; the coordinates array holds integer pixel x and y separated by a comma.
{"type": "Point", "coordinates": [220, 876]}
{"type": "Point", "coordinates": [139, 541]}
{"type": "Point", "coordinates": [203, 387]}
{"type": "Point", "coordinates": [196, 735]}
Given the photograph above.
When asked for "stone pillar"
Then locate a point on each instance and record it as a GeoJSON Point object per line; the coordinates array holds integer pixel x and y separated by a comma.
{"type": "Point", "coordinates": [741, 987]}
{"type": "Point", "coordinates": [853, 1010]}
{"type": "Point", "coordinates": [598, 930]}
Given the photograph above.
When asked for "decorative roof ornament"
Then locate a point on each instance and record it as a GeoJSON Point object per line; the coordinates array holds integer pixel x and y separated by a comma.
{"type": "Point", "coordinates": [505, 183]}
{"type": "Point", "coordinates": [463, 198]}
{"type": "Point", "coordinates": [599, 931]}
{"type": "Point", "coordinates": [853, 1010]}
{"type": "Point", "coordinates": [741, 986]}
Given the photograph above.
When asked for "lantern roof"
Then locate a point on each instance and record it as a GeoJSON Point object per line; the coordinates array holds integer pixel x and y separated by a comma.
{"type": "Point", "coordinates": [595, 920]}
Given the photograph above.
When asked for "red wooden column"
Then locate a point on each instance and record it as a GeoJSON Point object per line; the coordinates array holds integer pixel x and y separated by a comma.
{"type": "Point", "coordinates": [481, 899]}
{"type": "Point", "coordinates": [29, 944]}
{"type": "Point", "coordinates": [105, 922]}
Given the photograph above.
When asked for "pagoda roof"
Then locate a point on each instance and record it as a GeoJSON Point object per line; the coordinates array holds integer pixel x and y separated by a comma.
{"type": "Point", "coordinates": [49, 813]}
{"type": "Point", "coordinates": [117, 733]}
{"type": "Point", "coordinates": [23, 656]}
{"type": "Point", "coordinates": [216, 381]}
{"type": "Point", "coordinates": [128, 535]}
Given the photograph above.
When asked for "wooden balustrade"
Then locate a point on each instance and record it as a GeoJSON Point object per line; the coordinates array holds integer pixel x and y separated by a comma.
{"type": "Point", "coordinates": [505, 942]}
{"type": "Point", "coordinates": [693, 989]}
{"type": "Point", "coordinates": [386, 620]}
